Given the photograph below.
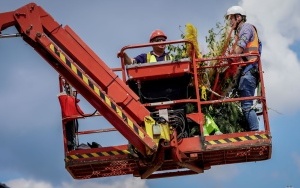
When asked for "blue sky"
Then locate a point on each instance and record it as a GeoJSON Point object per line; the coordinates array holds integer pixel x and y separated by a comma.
{"type": "Point", "coordinates": [31, 135]}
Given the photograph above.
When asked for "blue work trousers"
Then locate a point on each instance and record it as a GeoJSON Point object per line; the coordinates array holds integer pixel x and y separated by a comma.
{"type": "Point", "coordinates": [247, 87]}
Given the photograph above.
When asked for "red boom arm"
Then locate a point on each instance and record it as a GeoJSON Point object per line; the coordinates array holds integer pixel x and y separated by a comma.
{"type": "Point", "coordinates": [84, 70]}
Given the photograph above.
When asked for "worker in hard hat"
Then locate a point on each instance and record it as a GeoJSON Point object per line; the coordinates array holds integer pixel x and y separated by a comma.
{"type": "Point", "coordinates": [247, 42]}
{"type": "Point", "coordinates": [157, 54]}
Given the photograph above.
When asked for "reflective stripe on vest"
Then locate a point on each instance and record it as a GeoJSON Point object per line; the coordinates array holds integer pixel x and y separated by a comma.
{"type": "Point", "coordinates": [252, 47]}
{"type": "Point", "coordinates": [152, 58]}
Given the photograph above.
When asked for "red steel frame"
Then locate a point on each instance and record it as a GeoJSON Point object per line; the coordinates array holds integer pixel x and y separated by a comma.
{"type": "Point", "coordinates": [207, 151]}
{"type": "Point", "coordinates": [89, 75]}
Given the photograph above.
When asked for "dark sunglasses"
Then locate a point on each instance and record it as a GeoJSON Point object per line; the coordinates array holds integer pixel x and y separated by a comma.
{"type": "Point", "coordinates": [159, 40]}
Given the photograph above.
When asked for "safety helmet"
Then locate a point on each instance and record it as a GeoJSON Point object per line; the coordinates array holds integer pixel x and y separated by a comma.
{"type": "Point", "coordinates": [235, 10]}
{"type": "Point", "coordinates": [157, 33]}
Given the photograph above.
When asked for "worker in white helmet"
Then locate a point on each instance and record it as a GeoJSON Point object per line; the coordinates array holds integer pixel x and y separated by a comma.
{"type": "Point", "coordinates": [247, 42]}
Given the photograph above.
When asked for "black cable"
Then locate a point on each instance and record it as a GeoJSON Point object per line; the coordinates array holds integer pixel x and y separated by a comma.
{"type": "Point", "coordinates": [79, 110]}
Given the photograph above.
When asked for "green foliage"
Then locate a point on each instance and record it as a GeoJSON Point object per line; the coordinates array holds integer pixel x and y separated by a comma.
{"type": "Point", "coordinates": [216, 40]}
{"type": "Point", "coordinates": [178, 51]}
{"type": "Point", "coordinates": [228, 117]}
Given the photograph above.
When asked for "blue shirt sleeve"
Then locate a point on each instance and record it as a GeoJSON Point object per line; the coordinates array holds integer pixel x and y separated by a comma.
{"type": "Point", "coordinates": [245, 35]}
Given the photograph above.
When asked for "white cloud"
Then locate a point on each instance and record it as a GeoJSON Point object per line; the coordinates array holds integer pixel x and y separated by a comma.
{"type": "Point", "coordinates": [23, 183]}
{"type": "Point", "coordinates": [220, 173]}
{"type": "Point", "coordinates": [279, 27]}
{"type": "Point", "coordinates": [125, 183]}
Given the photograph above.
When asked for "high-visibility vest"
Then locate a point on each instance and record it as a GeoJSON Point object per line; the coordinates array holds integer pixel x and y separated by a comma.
{"type": "Point", "coordinates": [252, 47]}
{"type": "Point", "coordinates": [152, 58]}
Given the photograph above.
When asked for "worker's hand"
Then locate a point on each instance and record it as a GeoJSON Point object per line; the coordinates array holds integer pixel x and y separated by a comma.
{"type": "Point", "coordinates": [234, 60]}
{"type": "Point", "coordinates": [230, 60]}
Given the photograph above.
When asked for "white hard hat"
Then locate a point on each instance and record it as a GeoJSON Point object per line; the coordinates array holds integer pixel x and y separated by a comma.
{"type": "Point", "coordinates": [235, 10]}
